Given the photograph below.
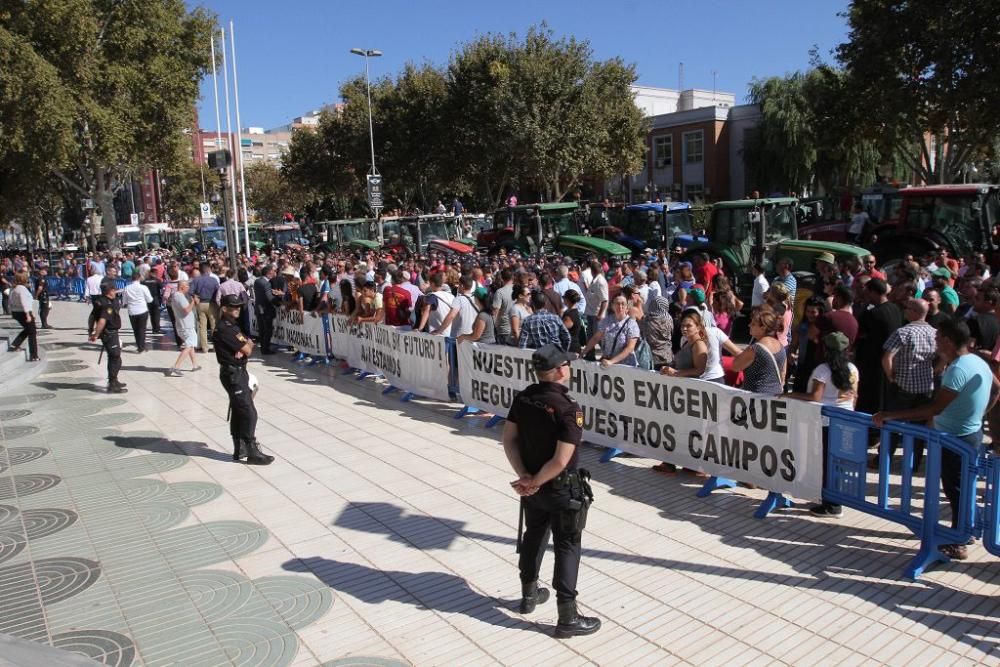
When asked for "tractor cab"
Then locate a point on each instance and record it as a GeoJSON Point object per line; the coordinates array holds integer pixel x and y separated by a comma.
{"type": "Point", "coordinates": [652, 225]}
{"type": "Point", "coordinates": [961, 218]}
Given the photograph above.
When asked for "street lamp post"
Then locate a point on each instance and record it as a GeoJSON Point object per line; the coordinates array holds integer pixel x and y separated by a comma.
{"type": "Point", "coordinates": [371, 53]}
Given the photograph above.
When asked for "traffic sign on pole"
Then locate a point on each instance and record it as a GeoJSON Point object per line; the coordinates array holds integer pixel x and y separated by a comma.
{"type": "Point", "coordinates": [375, 192]}
{"type": "Point", "coordinates": [134, 218]}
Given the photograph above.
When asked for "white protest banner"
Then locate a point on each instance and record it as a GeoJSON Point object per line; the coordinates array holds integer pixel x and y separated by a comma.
{"type": "Point", "coordinates": [769, 441]}
{"type": "Point", "coordinates": [344, 343]}
{"type": "Point", "coordinates": [301, 330]}
{"type": "Point", "coordinates": [411, 361]}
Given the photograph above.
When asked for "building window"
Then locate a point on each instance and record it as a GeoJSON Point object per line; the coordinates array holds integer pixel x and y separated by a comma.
{"type": "Point", "coordinates": [695, 192]}
{"type": "Point", "coordinates": [663, 151]}
{"type": "Point", "coordinates": [694, 146]}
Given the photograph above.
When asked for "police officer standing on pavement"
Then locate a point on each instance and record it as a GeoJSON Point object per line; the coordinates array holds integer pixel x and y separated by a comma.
{"type": "Point", "coordinates": [541, 436]}
{"type": "Point", "coordinates": [232, 349]}
{"type": "Point", "coordinates": [107, 322]}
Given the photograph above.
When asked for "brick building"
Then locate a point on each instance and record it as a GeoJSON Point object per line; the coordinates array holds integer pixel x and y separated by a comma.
{"type": "Point", "coordinates": [694, 147]}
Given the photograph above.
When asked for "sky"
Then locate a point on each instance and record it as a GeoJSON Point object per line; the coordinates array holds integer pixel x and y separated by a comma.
{"type": "Point", "coordinates": [292, 56]}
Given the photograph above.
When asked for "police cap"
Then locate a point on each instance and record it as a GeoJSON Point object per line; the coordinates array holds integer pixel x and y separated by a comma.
{"type": "Point", "coordinates": [107, 285]}
{"type": "Point", "coordinates": [231, 301]}
{"type": "Point", "coordinates": [549, 357]}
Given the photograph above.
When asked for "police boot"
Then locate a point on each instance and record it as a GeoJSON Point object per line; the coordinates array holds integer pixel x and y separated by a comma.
{"type": "Point", "coordinates": [117, 383]}
{"type": "Point", "coordinates": [255, 457]}
{"type": "Point", "coordinates": [572, 624]}
{"type": "Point", "coordinates": [531, 596]}
{"type": "Point", "coordinates": [238, 451]}
{"type": "Point", "coordinates": [116, 388]}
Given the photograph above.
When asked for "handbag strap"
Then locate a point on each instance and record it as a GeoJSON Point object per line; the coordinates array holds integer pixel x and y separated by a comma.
{"type": "Point", "coordinates": [622, 330]}
{"type": "Point", "coordinates": [774, 362]}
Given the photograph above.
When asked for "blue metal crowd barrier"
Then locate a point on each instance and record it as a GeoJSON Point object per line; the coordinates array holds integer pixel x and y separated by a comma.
{"type": "Point", "coordinates": [847, 481]}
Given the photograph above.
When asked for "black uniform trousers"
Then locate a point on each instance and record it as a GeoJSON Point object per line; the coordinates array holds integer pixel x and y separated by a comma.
{"type": "Point", "coordinates": [113, 351]}
{"type": "Point", "coordinates": [242, 412]}
{"type": "Point", "coordinates": [265, 330]}
{"type": "Point", "coordinates": [29, 330]}
{"type": "Point", "coordinates": [43, 311]}
{"type": "Point", "coordinates": [154, 308]}
{"type": "Point", "coordinates": [139, 329]}
{"type": "Point", "coordinates": [541, 516]}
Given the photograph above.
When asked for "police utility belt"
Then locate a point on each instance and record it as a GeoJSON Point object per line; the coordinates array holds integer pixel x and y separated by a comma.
{"type": "Point", "coordinates": [574, 518]}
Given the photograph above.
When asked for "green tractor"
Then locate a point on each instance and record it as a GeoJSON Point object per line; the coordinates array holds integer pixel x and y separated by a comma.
{"type": "Point", "coordinates": [545, 228]}
{"type": "Point", "coordinates": [349, 234]}
{"type": "Point", "coordinates": [747, 231]}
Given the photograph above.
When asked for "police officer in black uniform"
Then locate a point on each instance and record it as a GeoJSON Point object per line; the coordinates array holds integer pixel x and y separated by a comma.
{"type": "Point", "coordinates": [232, 349]}
{"type": "Point", "coordinates": [541, 436]}
{"type": "Point", "coordinates": [107, 322]}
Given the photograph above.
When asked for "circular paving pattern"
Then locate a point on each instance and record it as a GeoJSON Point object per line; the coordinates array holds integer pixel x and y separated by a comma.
{"type": "Point", "coordinates": [22, 400]}
{"type": "Point", "coordinates": [238, 537]}
{"type": "Point", "coordinates": [196, 493]}
{"type": "Point", "coordinates": [62, 578]}
{"type": "Point", "coordinates": [144, 490]}
{"type": "Point", "coordinates": [26, 485]}
{"type": "Point", "coordinates": [217, 594]}
{"type": "Point", "coordinates": [11, 544]}
{"type": "Point", "coordinates": [44, 522]}
{"type": "Point", "coordinates": [19, 455]}
{"type": "Point", "coordinates": [161, 516]}
{"type": "Point", "coordinates": [256, 642]}
{"type": "Point", "coordinates": [13, 432]}
{"type": "Point", "coordinates": [103, 646]}
{"type": "Point", "coordinates": [297, 600]}
{"type": "Point", "coordinates": [7, 513]}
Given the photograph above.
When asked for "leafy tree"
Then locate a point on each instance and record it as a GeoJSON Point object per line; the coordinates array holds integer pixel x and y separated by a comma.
{"type": "Point", "coordinates": [317, 166]}
{"type": "Point", "coordinates": [543, 112]}
{"type": "Point", "coordinates": [182, 190]}
{"type": "Point", "coordinates": [536, 112]}
{"type": "Point", "coordinates": [126, 72]}
{"type": "Point", "coordinates": [808, 136]}
{"type": "Point", "coordinates": [479, 89]}
{"type": "Point", "coordinates": [924, 74]}
{"type": "Point", "coordinates": [269, 193]}
{"type": "Point", "coordinates": [36, 121]}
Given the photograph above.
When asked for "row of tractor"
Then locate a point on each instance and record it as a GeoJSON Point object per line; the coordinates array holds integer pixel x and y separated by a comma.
{"type": "Point", "coordinates": [899, 222]}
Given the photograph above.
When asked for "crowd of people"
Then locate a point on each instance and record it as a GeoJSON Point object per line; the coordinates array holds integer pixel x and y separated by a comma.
{"type": "Point", "coordinates": [919, 342]}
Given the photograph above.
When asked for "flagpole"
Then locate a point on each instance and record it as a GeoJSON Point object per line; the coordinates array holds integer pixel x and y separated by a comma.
{"type": "Point", "coordinates": [239, 148]}
{"type": "Point", "coordinates": [239, 134]}
{"type": "Point", "coordinates": [218, 119]}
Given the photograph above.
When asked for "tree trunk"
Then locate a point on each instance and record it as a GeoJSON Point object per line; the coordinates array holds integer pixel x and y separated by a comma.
{"type": "Point", "coordinates": [104, 200]}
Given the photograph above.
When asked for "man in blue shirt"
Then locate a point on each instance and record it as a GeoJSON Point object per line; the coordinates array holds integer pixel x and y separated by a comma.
{"type": "Point", "coordinates": [203, 289]}
{"type": "Point", "coordinates": [968, 391]}
{"type": "Point", "coordinates": [786, 277]}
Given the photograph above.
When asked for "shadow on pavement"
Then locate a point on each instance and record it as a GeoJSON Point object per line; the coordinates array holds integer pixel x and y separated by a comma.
{"type": "Point", "coordinates": [848, 551]}
{"type": "Point", "coordinates": [81, 386]}
{"type": "Point", "coordinates": [165, 446]}
{"type": "Point", "coordinates": [434, 591]}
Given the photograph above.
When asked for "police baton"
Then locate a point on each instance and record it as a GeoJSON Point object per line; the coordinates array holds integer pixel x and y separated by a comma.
{"type": "Point", "coordinates": [520, 526]}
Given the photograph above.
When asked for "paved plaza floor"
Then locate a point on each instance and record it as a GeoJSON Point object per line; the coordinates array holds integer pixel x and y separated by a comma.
{"type": "Point", "coordinates": [384, 533]}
